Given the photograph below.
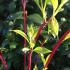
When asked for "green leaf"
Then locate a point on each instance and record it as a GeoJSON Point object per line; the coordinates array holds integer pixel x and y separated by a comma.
{"type": "Point", "coordinates": [42, 58]}
{"type": "Point", "coordinates": [45, 3]}
{"type": "Point", "coordinates": [13, 45]}
{"type": "Point", "coordinates": [25, 50]}
{"type": "Point", "coordinates": [41, 50]}
{"type": "Point", "coordinates": [64, 1]}
{"type": "Point", "coordinates": [32, 44]}
{"type": "Point", "coordinates": [53, 27]}
{"type": "Point", "coordinates": [55, 4]}
{"type": "Point", "coordinates": [31, 34]}
{"type": "Point", "coordinates": [45, 68]}
{"type": "Point", "coordinates": [60, 7]}
{"type": "Point", "coordinates": [21, 33]}
{"type": "Point", "coordinates": [37, 2]}
{"type": "Point", "coordinates": [3, 49]}
{"type": "Point", "coordinates": [17, 15]}
{"type": "Point", "coordinates": [34, 35]}
{"type": "Point", "coordinates": [42, 7]}
{"type": "Point", "coordinates": [41, 1]}
{"type": "Point", "coordinates": [36, 18]}
{"type": "Point", "coordinates": [35, 68]}
{"type": "Point", "coordinates": [46, 59]}
{"type": "Point", "coordinates": [67, 37]}
{"type": "Point", "coordinates": [30, 31]}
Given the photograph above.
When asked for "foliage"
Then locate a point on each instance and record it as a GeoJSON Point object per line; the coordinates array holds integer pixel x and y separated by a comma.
{"type": "Point", "coordinates": [11, 44]}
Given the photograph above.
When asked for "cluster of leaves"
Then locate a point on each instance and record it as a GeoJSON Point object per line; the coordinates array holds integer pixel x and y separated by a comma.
{"type": "Point", "coordinates": [12, 46]}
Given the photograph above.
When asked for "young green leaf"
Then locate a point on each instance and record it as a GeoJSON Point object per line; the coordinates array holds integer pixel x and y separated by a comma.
{"type": "Point", "coordinates": [64, 1]}
{"type": "Point", "coordinates": [3, 49]}
{"type": "Point", "coordinates": [31, 34]}
{"type": "Point", "coordinates": [41, 50]}
{"type": "Point", "coordinates": [17, 15]}
{"type": "Point", "coordinates": [46, 59]}
{"type": "Point", "coordinates": [13, 45]}
{"type": "Point", "coordinates": [32, 44]}
{"type": "Point", "coordinates": [21, 33]}
{"type": "Point", "coordinates": [34, 35]}
{"type": "Point", "coordinates": [45, 68]}
{"type": "Point", "coordinates": [36, 18]}
{"type": "Point", "coordinates": [37, 2]}
{"type": "Point", "coordinates": [41, 2]}
{"type": "Point", "coordinates": [42, 58]}
{"type": "Point", "coordinates": [35, 68]}
{"type": "Point", "coordinates": [53, 27]}
{"type": "Point", "coordinates": [30, 31]}
{"type": "Point", "coordinates": [60, 7]}
{"type": "Point", "coordinates": [55, 4]}
{"type": "Point", "coordinates": [42, 7]}
{"type": "Point", "coordinates": [45, 3]}
{"type": "Point", "coordinates": [25, 50]}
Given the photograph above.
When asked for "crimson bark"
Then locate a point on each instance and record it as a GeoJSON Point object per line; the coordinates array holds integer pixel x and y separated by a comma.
{"type": "Point", "coordinates": [3, 61]}
{"type": "Point", "coordinates": [25, 27]}
{"type": "Point", "coordinates": [56, 46]}
{"type": "Point", "coordinates": [29, 60]}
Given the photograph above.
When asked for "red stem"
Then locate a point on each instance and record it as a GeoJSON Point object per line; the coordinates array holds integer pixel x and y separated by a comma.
{"type": "Point", "coordinates": [3, 61]}
{"type": "Point", "coordinates": [29, 60]}
{"type": "Point", "coordinates": [56, 47]}
{"type": "Point", "coordinates": [25, 27]}
{"type": "Point", "coordinates": [40, 29]}
{"type": "Point", "coordinates": [44, 23]}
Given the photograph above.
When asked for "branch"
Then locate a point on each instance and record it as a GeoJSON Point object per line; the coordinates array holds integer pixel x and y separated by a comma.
{"type": "Point", "coordinates": [29, 59]}
{"type": "Point", "coordinates": [25, 27]}
{"type": "Point", "coordinates": [45, 23]}
{"type": "Point", "coordinates": [3, 61]}
{"type": "Point", "coordinates": [56, 46]}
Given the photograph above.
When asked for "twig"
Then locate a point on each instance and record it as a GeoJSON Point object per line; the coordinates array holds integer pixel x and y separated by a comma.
{"type": "Point", "coordinates": [56, 47]}
{"type": "Point", "coordinates": [45, 22]}
{"type": "Point", "coordinates": [29, 60]}
{"type": "Point", "coordinates": [25, 27]}
{"type": "Point", "coordinates": [3, 61]}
